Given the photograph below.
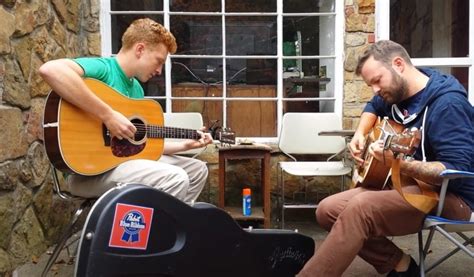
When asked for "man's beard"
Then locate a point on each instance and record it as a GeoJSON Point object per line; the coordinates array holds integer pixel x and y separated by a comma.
{"type": "Point", "coordinates": [397, 90]}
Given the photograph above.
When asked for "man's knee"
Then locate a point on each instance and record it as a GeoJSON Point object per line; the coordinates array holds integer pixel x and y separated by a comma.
{"type": "Point", "coordinates": [361, 202]}
{"type": "Point", "coordinates": [198, 174]}
{"type": "Point", "coordinates": [326, 213]}
{"type": "Point", "coordinates": [176, 183]}
{"type": "Point", "coordinates": [202, 168]}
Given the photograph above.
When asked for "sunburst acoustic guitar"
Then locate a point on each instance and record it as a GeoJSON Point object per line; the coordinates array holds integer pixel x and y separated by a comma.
{"type": "Point", "coordinates": [373, 173]}
{"type": "Point", "coordinates": [76, 142]}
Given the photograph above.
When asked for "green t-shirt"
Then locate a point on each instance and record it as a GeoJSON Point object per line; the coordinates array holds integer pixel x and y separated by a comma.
{"type": "Point", "coordinates": [109, 71]}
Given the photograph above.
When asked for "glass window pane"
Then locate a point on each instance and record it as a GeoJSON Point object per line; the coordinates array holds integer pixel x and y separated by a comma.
{"type": "Point", "coordinates": [251, 35]}
{"type": "Point", "coordinates": [308, 6]}
{"type": "Point", "coordinates": [162, 103]}
{"type": "Point", "coordinates": [136, 5]}
{"type": "Point", "coordinates": [206, 71]}
{"type": "Point", "coordinates": [308, 35]}
{"type": "Point", "coordinates": [428, 28]}
{"type": "Point", "coordinates": [252, 71]}
{"type": "Point", "coordinates": [461, 73]}
{"type": "Point", "coordinates": [120, 23]}
{"type": "Point", "coordinates": [196, 90]}
{"type": "Point", "coordinates": [315, 80]}
{"type": "Point", "coordinates": [210, 110]}
{"type": "Point", "coordinates": [308, 106]}
{"type": "Point", "coordinates": [156, 86]}
{"type": "Point", "coordinates": [195, 6]}
{"type": "Point", "coordinates": [252, 118]}
{"type": "Point", "coordinates": [197, 35]}
{"type": "Point", "coordinates": [250, 5]}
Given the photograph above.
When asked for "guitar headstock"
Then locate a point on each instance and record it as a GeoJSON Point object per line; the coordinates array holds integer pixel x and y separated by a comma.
{"type": "Point", "coordinates": [225, 135]}
{"type": "Point", "coordinates": [405, 142]}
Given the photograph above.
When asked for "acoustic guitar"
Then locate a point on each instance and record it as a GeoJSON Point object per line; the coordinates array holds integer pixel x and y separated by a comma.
{"type": "Point", "coordinates": [373, 173]}
{"type": "Point", "coordinates": [77, 142]}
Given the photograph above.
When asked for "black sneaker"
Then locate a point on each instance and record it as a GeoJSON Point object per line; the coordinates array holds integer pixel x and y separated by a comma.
{"type": "Point", "coordinates": [412, 271]}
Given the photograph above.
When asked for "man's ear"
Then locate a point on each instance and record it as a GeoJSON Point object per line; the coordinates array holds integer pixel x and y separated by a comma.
{"type": "Point", "coordinates": [398, 64]}
{"type": "Point", "coordinates": [139, 49]}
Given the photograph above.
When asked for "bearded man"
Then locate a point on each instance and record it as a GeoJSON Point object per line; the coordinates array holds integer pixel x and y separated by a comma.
{"type": "Point", "coordinates": [359, 220]}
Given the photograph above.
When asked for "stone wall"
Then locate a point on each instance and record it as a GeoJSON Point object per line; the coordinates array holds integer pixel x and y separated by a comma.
{"type": "Point", "coordinates": [33, 32]}
{"type": "Point", "coordinates": [360, 28]}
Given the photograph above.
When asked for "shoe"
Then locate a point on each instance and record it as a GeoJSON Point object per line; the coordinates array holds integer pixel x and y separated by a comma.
{"type": "Point", "coordinates": [412, 271]}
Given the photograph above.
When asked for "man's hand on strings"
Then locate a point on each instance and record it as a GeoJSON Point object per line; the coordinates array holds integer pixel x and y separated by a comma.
{"type": "Point", "coordinates": [356, 147]}
{"type": "Point", "coordinates": [380, 154]}
{"type": "Point", "coordinates": [119, 126]}
{"type": "Point", "coordinates": [205, 139]}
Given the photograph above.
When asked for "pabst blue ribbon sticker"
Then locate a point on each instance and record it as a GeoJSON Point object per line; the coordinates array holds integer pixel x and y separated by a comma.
{"type": "Point", "coordinates": [131, 227]}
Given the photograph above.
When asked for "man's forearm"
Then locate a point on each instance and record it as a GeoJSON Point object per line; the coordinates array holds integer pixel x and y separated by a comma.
{"type": "Point", "coordinates": [424, 171]}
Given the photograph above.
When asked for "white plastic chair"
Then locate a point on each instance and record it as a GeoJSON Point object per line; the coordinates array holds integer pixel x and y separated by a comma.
{"type": "Point", "coordinates": [446, 227]}
{"type": "Point", "coordinates": [300, 135]}
{"type": "Point", "coordinates": [187, 121]}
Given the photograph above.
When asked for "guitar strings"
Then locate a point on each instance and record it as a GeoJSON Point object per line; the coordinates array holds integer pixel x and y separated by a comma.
{"type": "Point", "coordinates": [143, 129]}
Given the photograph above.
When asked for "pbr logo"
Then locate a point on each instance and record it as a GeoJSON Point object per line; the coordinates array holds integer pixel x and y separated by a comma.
{"type": "Point", "coordinates": [131, 227]}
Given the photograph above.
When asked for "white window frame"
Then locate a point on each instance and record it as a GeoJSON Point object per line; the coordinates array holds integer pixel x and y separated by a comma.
{"type": "Point", "coordinates": [106, 47]}
{"type": "Point", "coordinates": [382, 17]}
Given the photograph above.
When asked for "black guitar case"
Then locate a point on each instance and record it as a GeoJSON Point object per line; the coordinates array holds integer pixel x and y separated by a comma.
{"type": "Point", "coordinates": [135, 230]}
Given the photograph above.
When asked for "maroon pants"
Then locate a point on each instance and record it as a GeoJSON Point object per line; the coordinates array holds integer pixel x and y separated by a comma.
{"type": "Point", "coordinates": [359, 221]}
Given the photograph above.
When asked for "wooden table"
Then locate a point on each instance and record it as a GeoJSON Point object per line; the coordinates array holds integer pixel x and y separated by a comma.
{"type": "Point", "coordinates": [247, 152]}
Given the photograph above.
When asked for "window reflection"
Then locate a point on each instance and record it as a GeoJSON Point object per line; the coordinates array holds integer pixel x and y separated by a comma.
{"type": "Point", "coordinates": [252, 118]}
{"type": "Point", "coordinates": [251, 35]}
{"type": "Point", "coordinates": [195, 6]}
{"type": "Point", "coordinates": [429, 28]}
{"type": "Point", "coordinates": [207, 71]}
{"type": "Point", "coordinates": [250, 5]}
{"type": "Point", "coordinates": [155, 86]}
{"type": "Point", "coordinates": [305, 6]}
{"type": "Point", "coordinates": [309, 35]}
{"type": "Point", "coordinates": [251, 71]}
{"type": "Point", "coordinates": [210, 110]}
{"type": "Point", "coordinates": [136, 5]}
{"type": "Point", "coordinates": [120, 23]}
{"type": "Point", "coordinates": [197, 35]}
{"type": "Point", "coordinates": [461, 73]}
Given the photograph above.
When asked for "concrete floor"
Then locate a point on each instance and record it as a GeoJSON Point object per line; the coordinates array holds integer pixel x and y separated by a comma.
{"type": "Point", "coordinates": [458, 265]}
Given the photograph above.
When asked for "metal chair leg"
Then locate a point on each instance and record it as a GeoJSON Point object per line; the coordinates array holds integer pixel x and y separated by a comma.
{"type": "Point", "coordinates": [422, 254]}
{"type": "Point", "coordinates": [282, 182]}
{"type": "Point", "coordinates": [67, 233]}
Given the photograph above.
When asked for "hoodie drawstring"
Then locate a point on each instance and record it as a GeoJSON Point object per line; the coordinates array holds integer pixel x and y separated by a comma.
{"type": "Point", "coordinates": [396, 111]}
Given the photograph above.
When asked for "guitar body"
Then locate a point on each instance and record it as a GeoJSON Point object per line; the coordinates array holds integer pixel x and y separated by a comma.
{"type": "Point", "coordinates": [76, 142]}
{"type": "Point", "coordinates": [373, 173]}
{"type": "Point", "coordinates": [135, 230]}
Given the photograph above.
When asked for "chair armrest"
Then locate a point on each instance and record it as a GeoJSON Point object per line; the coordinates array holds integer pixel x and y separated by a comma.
{"type": "Point", "coordinates": [454, 174]}
{"type": "Point", "coordinates": [447, 175]}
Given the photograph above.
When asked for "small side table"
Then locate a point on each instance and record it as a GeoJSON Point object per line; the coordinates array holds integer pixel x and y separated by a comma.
{"type": "Point", "coordinates": [242, 152]}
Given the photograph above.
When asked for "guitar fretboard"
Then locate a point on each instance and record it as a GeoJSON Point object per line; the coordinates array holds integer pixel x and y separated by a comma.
{"type": "Point", "coordinates": [154, 131]}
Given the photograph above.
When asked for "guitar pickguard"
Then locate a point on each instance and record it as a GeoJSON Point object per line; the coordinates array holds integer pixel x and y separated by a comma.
{"type": "Point", "coordinates": [124, 148]}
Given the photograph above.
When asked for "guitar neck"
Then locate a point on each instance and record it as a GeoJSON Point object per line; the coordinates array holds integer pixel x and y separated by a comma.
{"type": "Point", "coordinates": [155, 131]}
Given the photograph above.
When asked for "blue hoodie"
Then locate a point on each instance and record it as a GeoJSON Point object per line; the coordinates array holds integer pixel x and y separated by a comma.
{"type": "Point", "coordinates": [447, 117]}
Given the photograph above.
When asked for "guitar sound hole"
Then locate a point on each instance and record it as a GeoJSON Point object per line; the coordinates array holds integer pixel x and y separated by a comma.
{"type": "Point", "coordinates": [141, 129]}
{"type": "Point", "coordinates": [126, 148]}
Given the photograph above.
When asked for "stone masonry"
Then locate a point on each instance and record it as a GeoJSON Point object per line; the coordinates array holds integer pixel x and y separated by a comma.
{"type": "Point", "coordinates": [360, 28]}
{"type": "Point", "coordinates": [35, 31]}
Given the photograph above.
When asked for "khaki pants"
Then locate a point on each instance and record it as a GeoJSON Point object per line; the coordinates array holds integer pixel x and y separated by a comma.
{"type": "Point", "coordinates": [181, 177]}
{"type": "Point", "coordinates": [358, 221]}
